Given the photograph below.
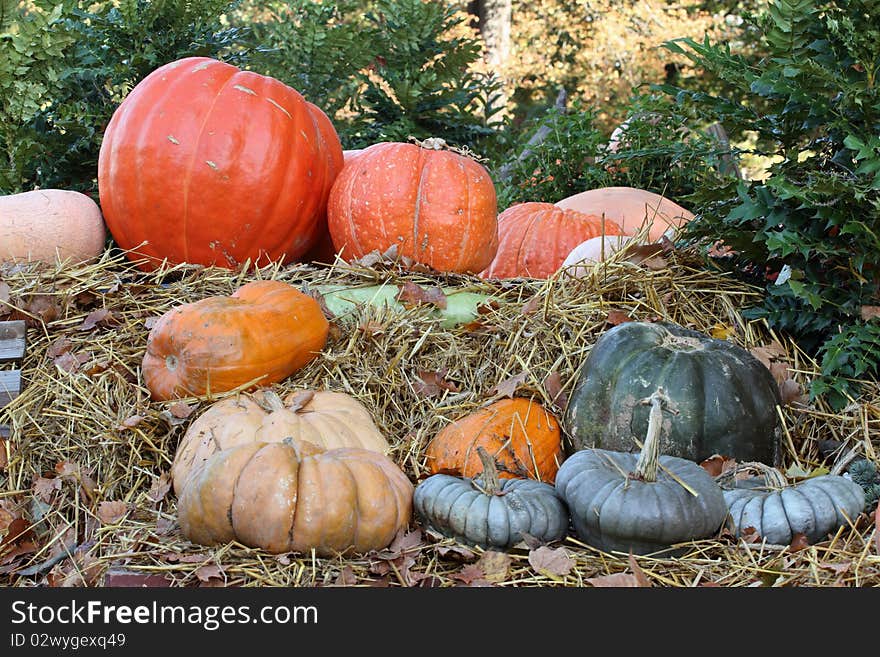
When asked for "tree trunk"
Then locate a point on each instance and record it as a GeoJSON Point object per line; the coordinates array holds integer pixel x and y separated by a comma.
{"type": "Point", "coordinates": [494, 18]}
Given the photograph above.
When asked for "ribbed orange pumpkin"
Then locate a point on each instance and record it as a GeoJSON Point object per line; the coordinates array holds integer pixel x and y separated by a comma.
{"type": "Point", "coordinates": [437, 206]}
{"type": "Point", "coordinates": [522, 436]}
{"type": "Point", "coordinates": [295, 497]}
{"type": "Point", "coordinates": [534, 238]}
{"type": "Point", "coordinates": [264, 332]}
{"type": "Point", "coordinates": [208, 164]}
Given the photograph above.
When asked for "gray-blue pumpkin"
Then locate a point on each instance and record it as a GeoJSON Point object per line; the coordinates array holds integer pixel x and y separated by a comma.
{"type": "Point", "coordinates": [489, 512]}
{"type": "Point", "coordinates": [643, 502]}
{"type": "Point", "coordinates": [814, 507]}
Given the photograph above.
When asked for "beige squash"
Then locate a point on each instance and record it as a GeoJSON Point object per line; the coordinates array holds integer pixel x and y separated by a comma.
{"type": "Point", "coordinates": [630, 207]}
{"type": "Point", "coordinates": [46, 225]}
{"type": "Point", "coordinates": [325, 419]}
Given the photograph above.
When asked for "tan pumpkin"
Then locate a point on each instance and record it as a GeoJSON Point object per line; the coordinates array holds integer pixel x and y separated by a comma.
{"type": "Point", "coordinates": [293, 496]}
{"type": "Point", "coordinates": [50, 225]}
{"type": "Point", "coordinates": [630, 208]}
{"type": "Point", "coordinates": [324, 418]}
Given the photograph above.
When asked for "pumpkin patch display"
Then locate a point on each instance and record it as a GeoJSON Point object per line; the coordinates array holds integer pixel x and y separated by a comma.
{"type": "Point", "coordinates": [726, 398]}
{"type": "Point", "coordinates": [490, 512]}
{"type": "Point", "coordinates": [534, 239]}
{"type": "Point", "coordinates": [204, 163]}
{"type": "Point", "coordinates": [579, 262]}
{"type": "Point", "coordinates": [642, 502]}
{"type": "Point", "coordinates": [262, 333]}
{"type": "Point", "coordinates": [777, 511]}
{"type": "Point", "coordinates": [631, 208]}
{"type": "Point", "coordinates": [49, 226]}
{"type": "Point", "coordinates": [322, 417]}
{"type": "Point", "coordinates": [293, 496]}
{"type": "Point", "coordinates": [523, 438]}
{"type": "Point", "coordinates": [436, 206]}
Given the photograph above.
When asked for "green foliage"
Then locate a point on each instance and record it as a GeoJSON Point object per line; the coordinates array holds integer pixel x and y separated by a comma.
{"type": "Point", "coordinates": [314, 47]}
{"type": "Point", "coordinates": [865, 474]}
{"type": "Point", "coordinates": [68, 66]}
{"type": "Point", "coordinates": [656, 151]}
{"type": "Point", "coordinates": [384, 70]}
{"type": "Point", "coordinates": [815, 217]}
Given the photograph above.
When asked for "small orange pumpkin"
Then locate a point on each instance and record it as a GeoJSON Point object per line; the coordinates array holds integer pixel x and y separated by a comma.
{"type": "Point", "coordinates": [262, 333]}
{"type": "Point", "coordinates": [522, 436]}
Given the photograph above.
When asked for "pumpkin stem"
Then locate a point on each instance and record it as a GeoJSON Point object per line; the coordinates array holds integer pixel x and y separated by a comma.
{"type": "Point", "coordinates": [488, 483]}
{"type": "Point", "coordinates": [773, 478]}
{"type": "Point", "coordinates": [438, 144]}
{"type": "Point", "coordinates": [649, 458]}
{"type": "Point", "coordinates": [269, 400]}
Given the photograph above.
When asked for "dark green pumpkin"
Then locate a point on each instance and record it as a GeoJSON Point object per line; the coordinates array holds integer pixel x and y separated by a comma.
{"type": "Point", "coordinates": [726, 398]}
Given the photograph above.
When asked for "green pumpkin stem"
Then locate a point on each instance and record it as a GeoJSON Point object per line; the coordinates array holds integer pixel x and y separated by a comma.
{"type": "Point", "coordinates": [489, 482]}
{"type": "Point", "coordinates": [649, 458]}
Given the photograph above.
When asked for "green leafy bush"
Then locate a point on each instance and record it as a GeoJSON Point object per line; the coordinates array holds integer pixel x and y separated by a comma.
{"type": "Point", "coordinates": [656, 151]}
{"type": "Point", "coordinates": [810, 228]}
{"type": "Point", "coordinates": [67, 66]}
{"type": "Point", "coordinates": [386, 70]}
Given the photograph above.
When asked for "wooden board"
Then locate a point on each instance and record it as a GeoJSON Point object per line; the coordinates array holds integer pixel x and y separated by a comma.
{"type": "Point", "coordinates": [13, 341]}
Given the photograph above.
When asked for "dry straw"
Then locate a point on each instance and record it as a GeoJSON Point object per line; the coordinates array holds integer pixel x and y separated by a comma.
{"type": "Point", "coordinates": [85, 485]}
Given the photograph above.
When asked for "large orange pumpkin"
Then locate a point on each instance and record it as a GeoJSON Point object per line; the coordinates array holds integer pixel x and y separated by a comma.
{"type": "Point", "coordinates": [631, 208]}
{"type": "Point", "coordinates": [534, 238]}
{"type": "Point", "coordinates": [295, 497]}
{"type": "Point", "coordinates": [437, 206]}
{"type": "Point", "coordinates": [262, 333]}
{"type": "Point", "coordinates": [520, 434]}
{"type": "Point", "coordinates": [208, 164]}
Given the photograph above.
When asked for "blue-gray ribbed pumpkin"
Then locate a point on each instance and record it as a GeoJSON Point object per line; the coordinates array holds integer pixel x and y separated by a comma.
{"type": "Point", "coordinates": [489, 512]}
{"type": "Point", "coordinates": [643, 502]}
{"type": "Point", "coordinates": [777, 511]}
{"type": "Point", "coordinates": [726, 398]}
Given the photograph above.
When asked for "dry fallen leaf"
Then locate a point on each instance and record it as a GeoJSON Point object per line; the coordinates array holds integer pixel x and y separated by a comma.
{"type": "Point", "coordinates": [495, 565]}
{"type": "Point", "coordinates": [507, 387]}
{"type": "Point", "coordinates": [130, 422]}
{"type": "Point", "coordinates": [58, 347]}
{"type": "Point", "coordinates": [411, 295]}
{"type": "Point", "coordinates": [100, 317]}
{"type": "Point", "coordinates": [552, 562]}
{"type": "Point", "coordinates": [431, 384]}
{"type": "Point", "coordinates": [617, 580]}
{"type": "Point", "coordinates": [722, 332]}
{"type": "Point", "coordinates": [4, 459]}
{"type": "Point", "coordinates": [111, 513]}
{"type": "Point", "coordinates": [471, 574]}
{"type": "Point", "coordinates": [532, 305]}
{"type": "Point", "coordinates": [208, 572]}
{"type": "Point", "coordinates": [798, 542]}
{"type": "Point", "coordinates": [181, 410]}
{"type": "Point", "coordinates": [45, 488]}
{"type": "Point", "coordinates": [160, 488]}
{"type": "Point", "coordinates": [717, 464]}
{"type": "Point", "coordinates": [639, 574]}
{"type": "Point", "coordinates": [71, 362]}
{"type": "Point", "coordinates": [790, 392]}
{"type": "Point", "coordinates": [553, 386]}
{"type": "Point", "coordinates": [346, 577]}
{"type": "Point", "coordinates": [616, 317]}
